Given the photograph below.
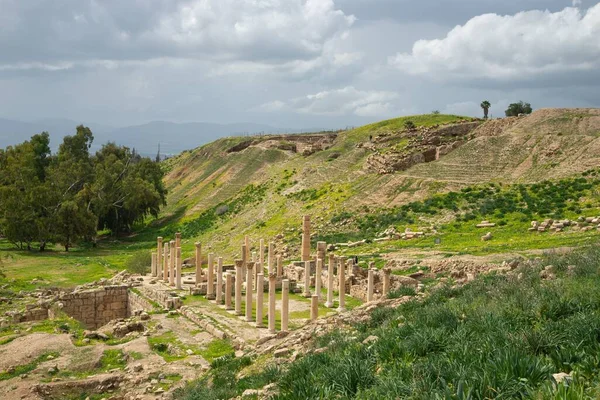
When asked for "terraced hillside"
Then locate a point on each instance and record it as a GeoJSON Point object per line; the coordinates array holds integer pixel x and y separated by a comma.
{"type": "Point", "coordinates": [261, 186]}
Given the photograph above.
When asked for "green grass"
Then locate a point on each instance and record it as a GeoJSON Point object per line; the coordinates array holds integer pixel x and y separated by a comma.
{"type": "Point", "coordinates": [217, 348]}
{"type": "Point", "coordinates": [162, 343]}
{"type": "Point", "coordinates": [397, 124]}
{"type": "Point", "coordinates": [496, 337]}
{"type": "Point", "coordinates": [26, 368]}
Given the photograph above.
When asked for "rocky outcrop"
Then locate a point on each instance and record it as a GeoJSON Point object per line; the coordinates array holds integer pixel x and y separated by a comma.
{"type": "Point", "coordinates": [424, 145]}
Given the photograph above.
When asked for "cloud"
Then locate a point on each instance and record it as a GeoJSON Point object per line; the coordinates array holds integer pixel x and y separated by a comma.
{"type": "Point", "coordinates": [269, 31]}
{"type": "Point", "coordinates": [345, 101]}
{"type": "Point", "coordinates": [526, 46]}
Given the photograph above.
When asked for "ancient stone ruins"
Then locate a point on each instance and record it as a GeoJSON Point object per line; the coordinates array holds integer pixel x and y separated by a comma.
{"type": "Point", "coordinates": [257, 303]}
{"type": "Point", "coordinates": [240, 287]}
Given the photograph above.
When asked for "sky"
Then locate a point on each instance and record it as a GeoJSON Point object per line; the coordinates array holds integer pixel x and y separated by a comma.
{"type": "Point", "coordinates": [292, 63]}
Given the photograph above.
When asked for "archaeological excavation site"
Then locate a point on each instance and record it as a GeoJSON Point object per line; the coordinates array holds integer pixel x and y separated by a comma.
{"type": "Point", "coordinates": [169, 325]}
{"type": "Point", "coordinates": [424, 257]}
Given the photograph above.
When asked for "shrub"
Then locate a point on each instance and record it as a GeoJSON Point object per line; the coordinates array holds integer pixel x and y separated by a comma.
{"type": "Point", "coordinates": [139, 263]}
{"type": "Point", "coordinates": [409, 125]}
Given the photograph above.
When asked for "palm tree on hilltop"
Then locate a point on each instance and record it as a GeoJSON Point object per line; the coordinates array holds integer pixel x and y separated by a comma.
{"type": "Point", "coordinates": [486, 105]}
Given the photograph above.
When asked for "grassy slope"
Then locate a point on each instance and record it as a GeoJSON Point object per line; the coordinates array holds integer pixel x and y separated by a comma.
{"type": "Point", "coordinates": [550, 143]}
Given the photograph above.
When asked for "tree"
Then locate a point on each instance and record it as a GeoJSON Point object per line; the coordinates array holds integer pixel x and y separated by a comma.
{"type": "Point", "coordinates": [126, 189]}
{"type": "Point", "coordinates": [72, 222]}
{"type": "Point", "coordinates": [21, 193]}
{"type": "Point", "coordinates": [515, 109]}
{"type": "Point", "coordinates": [486, 105]}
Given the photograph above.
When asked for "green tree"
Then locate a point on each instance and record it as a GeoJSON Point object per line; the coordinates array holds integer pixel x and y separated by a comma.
{"type": "Point", "coordinates": [21, 182]}
{"type": "Point", "coordinates": [127, 188]}
{"type": "Point", "coordinates": [486, 105]}
{"type": "Point", "coordinates": [515, 109]}
{"type": "Point", "coordinates": [69, 172]}
{"type": "Point", "coordinates": [72, 222]}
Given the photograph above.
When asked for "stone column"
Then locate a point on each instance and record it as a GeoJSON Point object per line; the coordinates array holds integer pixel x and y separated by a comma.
{"type": "Point", "coordinates": [219, 294]}
{"type": "Point", "coordinates": [272, 301]}
{"type": "Point", "coordinates": [244, 259]}
{"type": "Point", "coordinates": [271, 258]}
{"type": "Point", "coordinates": [159, 252]}
{"type": "Point", "coordinates": [342, 285]}
{"type": "Point", "coordinates": [306, 279]}
{"type": "Point", "coordinates": [261, 254]}
{"type": "Point", "coordinates": [285, 290]}
{"type": "Point", "coordinates": [249, 275]}
{"type": "Point", "coordinates": [349, 266]}
{"type": "Point", "coordinates": [387, 272]}
{"type": "Point", "coordinates": [177, 239]}
{"type": "Point", "coordinates": [172, 263]}
{"type": "Point", "coordinates": [253, 259]}
{"type": "Point", "coordinates": [329, 302]}
{"type": "Point", "coordinates": [228, 282]}
{"type": "Point", "coordinates": [210, 288]}
{"type": "Point", "coordinates": [279, 266]}
{"type": "Point", "coordinates": [247, 244]}
{"type": "Point", "coordinates": [321, 250]}
{"type": "Point", "coordinates": [306, 238]}
{"type": "Point", "coordinates": [198, 263]}
{"type": "Point", "coordinates": [370, 278]}
{"type": "Point", "coordinates": [166, 262]}
{"type": "Point", "coordinates": [260, 293]}
{"type": "Point", "coordinates": [318, 272]}
{"type": "Point", "coordinates": [238, 287]}
{"type": "Point", "coordinates": [178, 268]}
{"type": "Point", "coordinates": [257, 269]}
{"type": "Point", "coordinates": [314, 307]}
{"type": "Point", "coordinates": [153, 265]}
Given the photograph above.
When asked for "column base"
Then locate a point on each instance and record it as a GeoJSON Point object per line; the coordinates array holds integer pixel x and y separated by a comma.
{"type": "Point", "coordinates": [329, 304]}
{"type": "Point", "coordinates": [272, 331]}
{"type": "Point", "coordinates": [341, 309]}
{"type": "Point", "coordinates": [307, 294]}
{"type": "Point", "coordinates": [210, 297]}
{"type": "Point", "coordinates": [259, 325]}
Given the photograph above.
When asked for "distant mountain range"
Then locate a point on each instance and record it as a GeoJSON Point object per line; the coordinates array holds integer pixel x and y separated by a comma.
{"type": "Point", "coordinates": [173, 137]}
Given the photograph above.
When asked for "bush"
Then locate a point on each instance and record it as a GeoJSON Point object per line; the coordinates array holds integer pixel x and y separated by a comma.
{"type": "Point", "coordinates": [409, 125]}
{"type": "Point", "coordinates": [222, 209]}
{"type": "Point", "coordinates": [139, 263]}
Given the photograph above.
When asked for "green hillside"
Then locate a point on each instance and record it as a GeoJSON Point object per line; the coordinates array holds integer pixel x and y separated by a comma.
{"type": "Point", "coordinates": [218, 196]}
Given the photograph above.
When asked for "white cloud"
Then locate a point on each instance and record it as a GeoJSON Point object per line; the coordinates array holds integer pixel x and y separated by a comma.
{"type": "Point", "coordinates": [345, 101]}
{"type": "Point", "coordinates": [266, 31]}
{"type": "Point", "coordinates": [527, 45]}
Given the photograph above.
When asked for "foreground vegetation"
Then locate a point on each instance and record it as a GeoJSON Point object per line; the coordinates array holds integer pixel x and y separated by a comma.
{"type": "Point", "coordinates": [501, 336]}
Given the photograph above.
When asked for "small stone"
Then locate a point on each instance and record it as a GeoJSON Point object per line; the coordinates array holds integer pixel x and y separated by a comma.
{"type": "Point", "coordinates": [144, 316]}
{"type": "Point", "coordinates": [370, 339]}
{"type": "Point", "coordinates": [250, 393]}
{"type": "Point", "coordinates": [138, 368]}
{"type": "Point", "coordinates": [281, 352]}
{"type": "Point", "coordinates": [562, 377]}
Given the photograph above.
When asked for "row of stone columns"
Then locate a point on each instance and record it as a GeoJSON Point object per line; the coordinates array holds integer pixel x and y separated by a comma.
{"type": "Point", "coordinates": [249, 296]}
{"type": "Point", "coordinates": [167, 261]}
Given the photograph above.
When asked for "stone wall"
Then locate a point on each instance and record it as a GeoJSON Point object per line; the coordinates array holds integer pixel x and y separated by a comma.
{"type": "Point", "coordinates": [95, 307]}
{"type": "Point", "coordinates": [137, 302]}
{"type": "Point", "coordinates": [166, 297]}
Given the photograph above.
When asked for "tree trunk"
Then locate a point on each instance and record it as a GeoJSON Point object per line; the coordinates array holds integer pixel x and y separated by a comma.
{"type": "Point", "coordinates": [42, 245]}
